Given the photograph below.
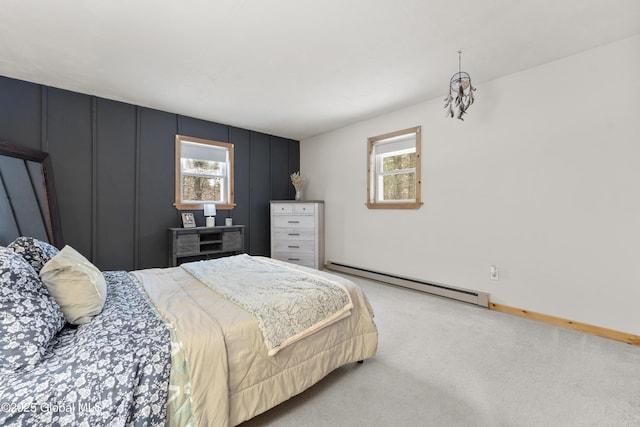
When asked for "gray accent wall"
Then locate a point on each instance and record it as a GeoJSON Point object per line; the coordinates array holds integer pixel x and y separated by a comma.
{"type": "Point", "coordinates": [113, 165]}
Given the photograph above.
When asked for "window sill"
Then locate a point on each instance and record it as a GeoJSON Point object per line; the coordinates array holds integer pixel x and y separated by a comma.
{"type": "Point", "coordinates": [200, 206]}
{"type": "Point", "coordinates": [408, 205]}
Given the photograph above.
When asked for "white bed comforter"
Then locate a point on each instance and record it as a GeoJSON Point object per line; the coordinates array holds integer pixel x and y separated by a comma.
{"type": "Point", "coordinates": [288, 304]}
{"type": "Point", "coordinates": [232, 376]}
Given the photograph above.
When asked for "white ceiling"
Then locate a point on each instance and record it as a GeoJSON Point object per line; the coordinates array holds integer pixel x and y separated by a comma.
{"type": "Point", "coordinates": [292, 68]}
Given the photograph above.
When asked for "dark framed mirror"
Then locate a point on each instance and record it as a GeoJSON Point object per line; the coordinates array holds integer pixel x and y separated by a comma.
{"type": "Point", "coordinates": [28, 204]}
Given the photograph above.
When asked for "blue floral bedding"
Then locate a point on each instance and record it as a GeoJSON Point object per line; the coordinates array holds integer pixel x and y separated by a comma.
{"type": "Point", "coordinates": [113, 371]}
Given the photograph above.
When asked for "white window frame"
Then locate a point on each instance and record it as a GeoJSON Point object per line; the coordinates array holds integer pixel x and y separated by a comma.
{"type": "Point", "coordinates": [227, 201]}
{"type": "Point", "coordinates": [380, 174]}
{"type": "Point", "coordinates": [387, 145]}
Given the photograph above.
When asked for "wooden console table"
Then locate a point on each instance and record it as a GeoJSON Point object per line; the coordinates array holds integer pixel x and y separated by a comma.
{"type": "Point", "coordinates": [198, 243]}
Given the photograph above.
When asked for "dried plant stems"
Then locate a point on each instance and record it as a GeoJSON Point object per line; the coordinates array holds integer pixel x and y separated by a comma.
{"type": "Point", "coordinates": [297, 180]}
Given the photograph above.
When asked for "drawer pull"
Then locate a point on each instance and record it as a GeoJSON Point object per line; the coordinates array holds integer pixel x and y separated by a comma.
{"type": "Point", "coordinates": [293, 222]}
{"type": "Point", "coordinates": [293, 234]}
{"type": "Point", "coordinates": [294, 247]}
{"type": "Point", "coordinates": [293, 259]}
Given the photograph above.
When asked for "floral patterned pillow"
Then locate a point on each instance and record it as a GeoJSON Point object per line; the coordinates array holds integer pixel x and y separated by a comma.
{"type": "Point", "coordinates": [29, 316]}
{"type": "Point", "coordinates": [33, 250]}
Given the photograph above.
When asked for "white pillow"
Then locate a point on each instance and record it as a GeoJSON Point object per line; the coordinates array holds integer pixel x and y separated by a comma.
{"type": "Point", "coordinates": [77, 285]}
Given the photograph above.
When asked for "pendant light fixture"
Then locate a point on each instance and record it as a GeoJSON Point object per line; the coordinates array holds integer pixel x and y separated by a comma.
{"type": "Point", "coordinates": [461, 91]}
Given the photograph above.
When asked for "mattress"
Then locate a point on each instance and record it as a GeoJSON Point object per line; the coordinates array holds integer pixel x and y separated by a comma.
{"type": "Point", "coordinates": [232, 376]}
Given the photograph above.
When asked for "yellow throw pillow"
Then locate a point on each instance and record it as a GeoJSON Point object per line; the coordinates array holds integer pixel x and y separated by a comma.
{"type": "Point", "coordinates": [77, 285]}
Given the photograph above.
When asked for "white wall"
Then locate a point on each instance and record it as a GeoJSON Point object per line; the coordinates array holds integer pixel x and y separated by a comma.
{"type": "Point", "coordinates": [542, 179]}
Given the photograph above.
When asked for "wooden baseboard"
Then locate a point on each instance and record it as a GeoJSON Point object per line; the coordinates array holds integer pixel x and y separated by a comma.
{"type": "Point", "coordinates": [570, 324]}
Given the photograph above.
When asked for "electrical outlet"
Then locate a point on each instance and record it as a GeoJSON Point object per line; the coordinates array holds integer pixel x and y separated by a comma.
{"type": "Point", "coordinates": [493, 273]}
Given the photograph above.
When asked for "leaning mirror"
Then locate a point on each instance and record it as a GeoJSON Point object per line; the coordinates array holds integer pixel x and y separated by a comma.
{"type": "Point", "coordinates": [28, 205]}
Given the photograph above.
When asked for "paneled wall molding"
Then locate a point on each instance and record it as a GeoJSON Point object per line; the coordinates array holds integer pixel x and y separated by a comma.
{"type": "Point", "coordinates": [114, 169]}
{"type": "Point", "coordinates": [44, 140]}
{"type": "Point", "coordinates": [94, 182]}
{"type": "Point", "coordinates": [136, 222]}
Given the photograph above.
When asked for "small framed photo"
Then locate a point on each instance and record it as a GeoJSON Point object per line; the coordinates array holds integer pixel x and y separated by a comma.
{"type": "Point", "coordinates": [188, 221]}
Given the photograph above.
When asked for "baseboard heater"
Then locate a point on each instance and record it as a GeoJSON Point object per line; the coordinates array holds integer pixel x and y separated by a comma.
{"type": "Point", "coordinates": [459, 294]}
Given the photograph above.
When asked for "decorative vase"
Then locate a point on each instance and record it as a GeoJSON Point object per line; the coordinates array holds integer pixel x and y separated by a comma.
{"type": "Point", "coordinates": [298, 195]}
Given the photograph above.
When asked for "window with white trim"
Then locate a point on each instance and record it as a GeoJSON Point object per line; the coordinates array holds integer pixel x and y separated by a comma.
{"type": "Point", "coordinates": [204, 173]}
{"type": "Point", "coordinates": [394, 170]}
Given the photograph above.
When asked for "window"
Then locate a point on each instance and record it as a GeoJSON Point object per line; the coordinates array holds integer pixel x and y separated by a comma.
{"type": "Point", "coordinates": [393, 174]}
{"type": "Point", "coordinates": [204, 173]}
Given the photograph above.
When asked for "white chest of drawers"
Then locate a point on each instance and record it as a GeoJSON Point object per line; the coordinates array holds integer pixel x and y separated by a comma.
{"type": "Point", "coordinates": [297, 232]}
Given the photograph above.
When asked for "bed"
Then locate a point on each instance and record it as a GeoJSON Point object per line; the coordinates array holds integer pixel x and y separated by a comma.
{"type": "Point", "coordinates": [201, 344]}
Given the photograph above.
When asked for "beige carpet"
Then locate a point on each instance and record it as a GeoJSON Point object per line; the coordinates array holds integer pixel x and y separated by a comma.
{"type": "Point", "coordinates": [445, 363]}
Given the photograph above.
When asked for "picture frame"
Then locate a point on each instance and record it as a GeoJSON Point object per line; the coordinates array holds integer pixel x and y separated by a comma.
{"type": "Point", "coordinates": [188, 220]}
